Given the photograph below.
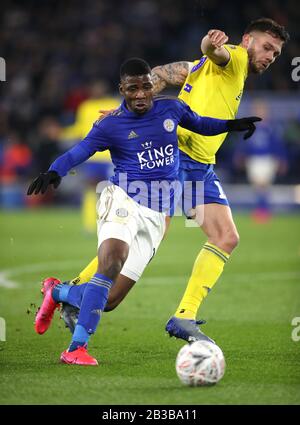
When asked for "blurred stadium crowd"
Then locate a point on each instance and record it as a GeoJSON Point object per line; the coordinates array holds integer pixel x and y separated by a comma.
{"type": "Point", "coordinates": [61, 53]}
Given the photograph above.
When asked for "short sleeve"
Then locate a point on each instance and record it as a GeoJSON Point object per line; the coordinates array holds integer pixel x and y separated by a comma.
{"type": "Point", "coordinates": [238, 62]}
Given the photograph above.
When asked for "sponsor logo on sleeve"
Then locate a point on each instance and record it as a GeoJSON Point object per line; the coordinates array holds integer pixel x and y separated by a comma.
{"type": "Point", "coordinates": [201, 62]}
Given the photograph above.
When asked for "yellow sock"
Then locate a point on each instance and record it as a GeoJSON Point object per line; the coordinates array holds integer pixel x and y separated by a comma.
{"type": "Point", "coordinates": [89, 216]}
{"type": "Point", "coordinates": [207, 269]}
{"type": "Point", "coordinates": [86, 274]}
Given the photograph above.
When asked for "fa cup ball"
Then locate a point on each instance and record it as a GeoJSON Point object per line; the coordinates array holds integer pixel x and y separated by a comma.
{"type": "Point", "coordinates": [200, 363]}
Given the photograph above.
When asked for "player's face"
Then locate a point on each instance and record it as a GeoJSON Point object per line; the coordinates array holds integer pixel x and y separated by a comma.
{"type": "Point", "coordinates": [137, 92]}
{"type": "Point", "coordinates": [263, 49]}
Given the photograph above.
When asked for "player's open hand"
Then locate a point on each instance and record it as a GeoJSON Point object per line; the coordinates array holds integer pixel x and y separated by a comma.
{"type": "Point", "coordinates": [43, 181]}
{"type": "Point", "coordinates": [243, 124]}
{"type": "Point", "coordinates": [217, 38]}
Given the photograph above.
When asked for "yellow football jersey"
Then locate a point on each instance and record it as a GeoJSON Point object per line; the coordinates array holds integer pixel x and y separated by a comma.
{"type": "Point", "coordinates": [214, 91]}
{"type": "Point", "coordinates": [87, 114]}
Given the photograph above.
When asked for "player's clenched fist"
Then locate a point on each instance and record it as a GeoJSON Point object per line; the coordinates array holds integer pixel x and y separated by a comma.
{"type": "Point", "coordinates": [217, 38]}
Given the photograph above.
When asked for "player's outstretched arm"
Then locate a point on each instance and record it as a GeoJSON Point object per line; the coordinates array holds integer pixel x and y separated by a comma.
{"type": "Point", "coordinates": [171, 74]}
{"type": "Point", "coordinates": [243, 124]}
{"type": "Point", "coordinates": [96, 140]}
{"type": "Point", "coordinates": [212, 46]}
{"type": "Point", "coordinates": [209, 126]}
{"type": "Point", "coordinates": [58, 169]}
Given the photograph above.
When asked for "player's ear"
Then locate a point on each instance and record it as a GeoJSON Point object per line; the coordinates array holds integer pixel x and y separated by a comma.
{"type": "Point", "coordinates": [246, 41]}
{"type": "Point", "coordinates": [121, 90]}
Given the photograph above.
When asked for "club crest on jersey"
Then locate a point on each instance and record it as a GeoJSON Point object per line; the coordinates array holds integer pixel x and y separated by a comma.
{"type": "Point", "coordinates": [169, 125]}
{"type": "Point", "coordinates": [122, 212]}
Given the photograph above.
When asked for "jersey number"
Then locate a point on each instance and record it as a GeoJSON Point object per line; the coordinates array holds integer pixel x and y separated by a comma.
{"type": "Point", "coordinates": [222, 194]}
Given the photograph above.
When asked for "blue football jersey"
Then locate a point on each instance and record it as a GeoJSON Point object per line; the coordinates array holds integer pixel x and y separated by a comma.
{"type": "Point", "coordinates": [143, 148]}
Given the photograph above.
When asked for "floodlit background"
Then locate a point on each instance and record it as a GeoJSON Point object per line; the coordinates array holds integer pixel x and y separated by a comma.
{"type": "Point", "coordinates": [61, 62]}
{"type": "Point", "coordinates": [59, 54]}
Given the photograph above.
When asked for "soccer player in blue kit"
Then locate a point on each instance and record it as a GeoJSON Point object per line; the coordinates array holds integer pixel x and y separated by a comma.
{"type": "Point", "coordinates": [141, 136]}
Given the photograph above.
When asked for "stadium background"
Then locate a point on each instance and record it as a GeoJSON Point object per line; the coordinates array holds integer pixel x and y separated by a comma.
{"type": "Point", "coordinates": [55, 52]}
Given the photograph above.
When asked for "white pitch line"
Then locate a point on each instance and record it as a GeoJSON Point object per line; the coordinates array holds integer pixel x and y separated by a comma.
{"type": "Point", "coordinates": [7, 282]}
{"type": "Point", "coordinates": [5, 275]}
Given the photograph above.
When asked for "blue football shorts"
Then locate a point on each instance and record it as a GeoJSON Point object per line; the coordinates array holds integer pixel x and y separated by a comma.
{"type": "Point", "coordinates": [200, 183]}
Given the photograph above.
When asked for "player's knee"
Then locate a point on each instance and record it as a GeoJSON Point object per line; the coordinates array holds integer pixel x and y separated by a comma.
{"type": "Point", "coordinates": [226, 241]}
{"type": "Point", "coordinates": [231, 241]}
{"type": "Point", "coordinates": [111, 264]}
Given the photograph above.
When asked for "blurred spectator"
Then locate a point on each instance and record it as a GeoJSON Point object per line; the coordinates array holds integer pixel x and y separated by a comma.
{"type": "Point", "coordinates": [292, 138]}
{"type": "Point", "coordinates": [15, 161]}
{"type": "Point", "coordinates": [46, 146]}
{"type": "Point", "coordinates": [263, 156]}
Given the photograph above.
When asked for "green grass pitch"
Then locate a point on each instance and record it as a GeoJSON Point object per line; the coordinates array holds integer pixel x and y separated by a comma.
{"type": "Point", "coordinates": [249, 314]}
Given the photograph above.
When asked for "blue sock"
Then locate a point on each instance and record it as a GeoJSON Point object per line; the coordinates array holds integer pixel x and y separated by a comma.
{"type": "Point", "coordinates": [75, 295]}
{"type": "Point", "coordinates": [71, 294]}
{"type": "Point", "coordinates": [60, 292]}
{"type": "Point", "coordinates": [93, 303]}
{"type": "Point", "coordinates": [80, 338]}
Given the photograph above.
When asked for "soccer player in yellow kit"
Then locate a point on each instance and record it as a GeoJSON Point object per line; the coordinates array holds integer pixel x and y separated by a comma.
{"type": "Point", "coordinates": [211, 86]}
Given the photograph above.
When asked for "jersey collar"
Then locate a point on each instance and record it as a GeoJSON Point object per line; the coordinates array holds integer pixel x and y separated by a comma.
{"type": "Point", "coordinates": [133, 114]}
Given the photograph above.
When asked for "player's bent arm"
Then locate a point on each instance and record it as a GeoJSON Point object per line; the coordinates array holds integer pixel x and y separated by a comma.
{"type": "Point", "coordinates": [171, 74]}
{"type": "Point", "coordinates": [212, 47]}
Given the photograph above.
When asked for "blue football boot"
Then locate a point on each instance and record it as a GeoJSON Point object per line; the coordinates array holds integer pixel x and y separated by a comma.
{"type": "Point", "coordinates": [187, 329]}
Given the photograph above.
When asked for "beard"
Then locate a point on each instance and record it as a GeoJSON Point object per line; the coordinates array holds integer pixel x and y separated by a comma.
{"type": "Point", "coordinates": [253, 67]}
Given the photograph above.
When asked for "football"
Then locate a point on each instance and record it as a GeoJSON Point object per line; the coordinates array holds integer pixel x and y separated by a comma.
{"type": "Point", "coordinates": [200, 363]}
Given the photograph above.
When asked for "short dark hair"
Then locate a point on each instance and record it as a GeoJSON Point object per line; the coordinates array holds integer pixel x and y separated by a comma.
{"type": "Point", "coordinates": [269, 26]}
{"type": "Point", "coordinates": [134, 66]}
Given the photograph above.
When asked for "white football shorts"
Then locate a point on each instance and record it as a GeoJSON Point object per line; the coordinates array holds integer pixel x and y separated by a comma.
{"type": "Point", "coordinates": [120, 217]}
